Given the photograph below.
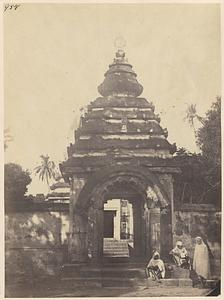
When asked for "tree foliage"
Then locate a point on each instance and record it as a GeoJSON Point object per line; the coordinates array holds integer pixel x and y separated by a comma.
{"type": "Point", "coordinates": [209, 136]}
{"type": "Point", "coordinates": [16, 181]}
{"type": "Point", "coordinates": [46, 169]}
{"type": "Point", "coordinates": [192, 115]}
{"type": "Point", "coordinates": [209, 141]}
{"type": "Point", "coordinates": [200, 180]}
{"type": "Point", "coordinates": [189, 184]}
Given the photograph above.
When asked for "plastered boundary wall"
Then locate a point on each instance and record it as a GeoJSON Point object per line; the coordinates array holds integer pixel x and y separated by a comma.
{"type": "Point", "coordinates": [36, 240]}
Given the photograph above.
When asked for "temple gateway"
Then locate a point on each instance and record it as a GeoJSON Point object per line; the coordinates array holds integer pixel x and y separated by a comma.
{"type": "Point", "coordinates": [120, 171]}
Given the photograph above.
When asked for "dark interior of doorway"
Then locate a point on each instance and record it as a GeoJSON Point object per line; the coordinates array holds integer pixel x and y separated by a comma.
{"type": "Point", "coordinates": [109, 223]}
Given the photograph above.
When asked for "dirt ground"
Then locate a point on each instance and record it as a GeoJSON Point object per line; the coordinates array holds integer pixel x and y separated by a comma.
{"type": "Point", "coordinates": [58, 291]}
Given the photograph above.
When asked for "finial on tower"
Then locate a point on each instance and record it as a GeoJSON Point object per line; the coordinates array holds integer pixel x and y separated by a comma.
{"type": "Point", "coordinates": [120, 44]}
{"type": "Point", "coordinates": [120, 80]}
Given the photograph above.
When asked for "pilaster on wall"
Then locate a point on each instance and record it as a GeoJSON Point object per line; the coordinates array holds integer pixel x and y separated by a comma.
{"type": "Point", "coordinates": [138, 234]}
{"type": "Point", "coordinates": [154, 216]}
{"type": "Point", "coordinates": [97, 238]}
{"type": "Point", "coordinates": [97, 253]}
{"type": "Point", "coordinates": [78, 247]}
{"type": "Point", "coordinates": [166, 236]}
{"type": "Point", "coordinates": [168, 214]}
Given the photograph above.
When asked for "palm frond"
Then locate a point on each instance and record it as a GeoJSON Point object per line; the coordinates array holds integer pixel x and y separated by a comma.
{"type": "Point", "coordinates": [46, 169]}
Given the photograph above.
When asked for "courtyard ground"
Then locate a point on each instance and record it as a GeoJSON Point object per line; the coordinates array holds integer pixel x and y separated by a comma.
{"type": "Point", "coordinates": [58, 291]}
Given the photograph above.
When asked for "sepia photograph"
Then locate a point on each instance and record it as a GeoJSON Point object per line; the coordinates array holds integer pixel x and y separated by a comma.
{"type": "Point", "coordinates": [112, 149]}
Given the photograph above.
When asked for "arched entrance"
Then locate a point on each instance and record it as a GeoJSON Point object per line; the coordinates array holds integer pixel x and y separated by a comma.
{"type": "Point", "coordinates": [145, 193]}
{"type": "Point", "coordinates": [120, 143]}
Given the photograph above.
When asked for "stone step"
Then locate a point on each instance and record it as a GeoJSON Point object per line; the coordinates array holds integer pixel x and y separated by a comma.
{"type": "Point", "coordinates": [114, 248]}
{"type": "Point", "coordinates": [114, 242]}
{"type": "Point", "coordinates": [81, 281]}
{"type": "Point", "coordinates": [81, 273]}
{"type": "Point", "coordinates": [124, 273]}
{"type": "Point", "coordinates": [115, 254]}
{"type": "Point", "coordinates": [105, 271]}
{"type": "Point", "coordinates": [181, 282]}
{"type": "Point", "coordinates": [118, 282]}
{"type": "Point", "coordinates": [115, 260]}
{"type": "Point", "coordinates": [119, 275]}
{"type": "Point", "coordinates": [211, 283]}
{"type": "Point", "coordinates": [125, 265]}
{"type": "Point", "coordinates": [123, 282]}
{"type": "Point", "coordinates": [178, 272]}
{"type": "Point", "coordinates": [99, 282]}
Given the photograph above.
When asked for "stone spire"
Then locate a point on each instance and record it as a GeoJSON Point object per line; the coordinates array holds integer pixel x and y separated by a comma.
{"type": "Point", "coordinates": [120, 79]}
{"type": "Point", "coordinates": [118, 126]}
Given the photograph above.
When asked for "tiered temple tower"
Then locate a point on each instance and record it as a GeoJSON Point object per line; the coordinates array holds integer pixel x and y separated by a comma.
{"type": "Point", "coordinates": [120, 151]}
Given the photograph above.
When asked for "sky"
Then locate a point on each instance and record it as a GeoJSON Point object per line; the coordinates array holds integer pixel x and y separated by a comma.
{"type": "Point", "coordinates": [55, 56]}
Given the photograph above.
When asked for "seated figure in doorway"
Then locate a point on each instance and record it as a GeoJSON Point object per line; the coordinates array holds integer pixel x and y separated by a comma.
{"type": "Point", "coordinates": [155, 268]}
{"type": "Point", "coordinates": [180, 256]}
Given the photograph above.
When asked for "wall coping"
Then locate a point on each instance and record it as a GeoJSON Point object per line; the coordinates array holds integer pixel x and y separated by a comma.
{"type": "Point", "coordinates": [196, 207]}
{"type": "Point", "coordinates": [14, 207]}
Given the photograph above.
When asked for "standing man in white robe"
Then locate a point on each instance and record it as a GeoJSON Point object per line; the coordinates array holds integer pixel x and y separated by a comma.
{"type": "Point", "coordinates": [201, 263]}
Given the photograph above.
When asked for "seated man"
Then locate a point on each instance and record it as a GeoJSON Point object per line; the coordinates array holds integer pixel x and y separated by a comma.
{"type": "Point", "coordinates": [155, 268]}
{"type": "Point", "coordinates": [180, 256]}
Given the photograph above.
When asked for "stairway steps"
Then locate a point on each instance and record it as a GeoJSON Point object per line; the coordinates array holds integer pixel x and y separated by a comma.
{"type": "Point", "coordinates": [104, 271]}
{"type": "Point", "coordinates": [115, 248]}
{"type": "Point", "coordinates": [114, 275]}
{"type": "Point", "coordinates": [129, 274]}
{"type": "Point", "coordinates": [82, 273]}
{"type": "Point", "coordinates": [118, 274]}
{"type": "Point", "coordinates": [125, 265]}
{"type": "Point", "coordinates": [82, 281]}
{"type": "Point", "coordinates": [115, 260]}
{"type": "Point", "coordinates": [118, 282]}
{"type": "Point", "coordinates": [123, 282]}
{"type": "Point", "coordinates": [115, 255]}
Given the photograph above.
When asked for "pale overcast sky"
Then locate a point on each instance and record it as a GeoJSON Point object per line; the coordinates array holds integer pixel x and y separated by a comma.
{"type": "Point", "coordinates": [55, 56]}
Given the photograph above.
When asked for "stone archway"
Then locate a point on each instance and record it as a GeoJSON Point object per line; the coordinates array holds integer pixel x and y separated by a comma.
{"type": "Point", "coordinates": [148, 183]}
{"type": "Point", "coordinates": [89, 203]}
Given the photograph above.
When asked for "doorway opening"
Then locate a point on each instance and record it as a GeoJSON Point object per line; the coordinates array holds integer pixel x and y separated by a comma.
{"type": "Point", "coordinates": [118, 228]}
{"type": "Point", "coordinates": [108, 220]}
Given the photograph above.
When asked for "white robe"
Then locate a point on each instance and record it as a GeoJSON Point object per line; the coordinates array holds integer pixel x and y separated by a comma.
{"type": "Point", "coordinates": [159, 263]}
{"type": "Point", "coordinates": [201, 263]}
{"type": "Point", "coordinates": [179, 254]}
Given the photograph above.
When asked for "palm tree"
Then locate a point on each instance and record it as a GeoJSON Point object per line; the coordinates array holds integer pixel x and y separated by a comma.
{"type": "Point", "coordinates": [46, 169]}
{"type": "Point", "coordinates": [191, 116]}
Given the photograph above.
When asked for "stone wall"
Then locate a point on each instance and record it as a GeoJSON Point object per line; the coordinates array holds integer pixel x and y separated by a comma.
{"type": "Point", "coordinates": [188, 224]}
{"type": "Point", "coordinates": [36, 240]}
{"type": "Point", "coordinates": [35, 243]}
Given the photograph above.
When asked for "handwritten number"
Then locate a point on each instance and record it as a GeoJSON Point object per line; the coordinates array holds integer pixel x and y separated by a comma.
{"type": "Point", "coordinates": [10, 7]}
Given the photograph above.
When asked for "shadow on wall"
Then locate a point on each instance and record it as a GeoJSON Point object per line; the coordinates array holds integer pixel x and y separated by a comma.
{"type": "Point", "coordinates": [34, 244]}
{"type": "Point", "coordinates": [188, 225]}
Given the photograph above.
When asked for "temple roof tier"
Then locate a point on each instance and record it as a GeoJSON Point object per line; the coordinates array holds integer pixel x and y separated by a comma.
{"type": "Point", "coordinates": [86, 163]}
{"type": "Point", "coordinates": [114, 126]}
{"type": "Point", "coordinates": [120, 125]}
{"type": "Point", "coordinates": [120, 79]}
{"type": "Point", "coordinates": [121, 101]}
{"type": "Point", "coordinates": [98, 142]}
